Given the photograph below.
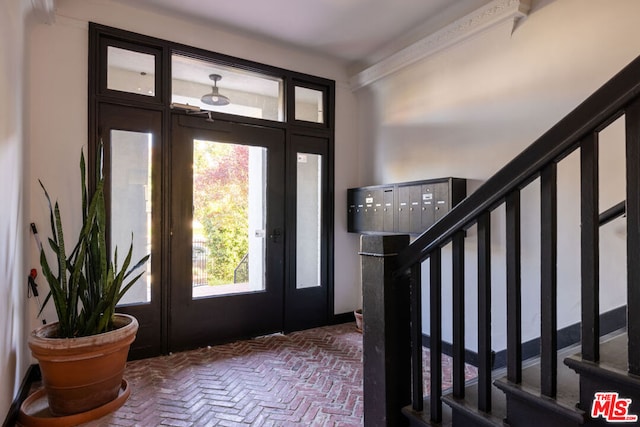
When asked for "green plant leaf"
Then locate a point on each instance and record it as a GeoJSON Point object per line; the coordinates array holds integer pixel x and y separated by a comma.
{"type": "Point", "coordinates": [88, 284]}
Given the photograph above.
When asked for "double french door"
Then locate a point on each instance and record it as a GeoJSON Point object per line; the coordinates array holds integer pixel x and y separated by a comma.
{"type": "Point", "coordinates": [235, 218]}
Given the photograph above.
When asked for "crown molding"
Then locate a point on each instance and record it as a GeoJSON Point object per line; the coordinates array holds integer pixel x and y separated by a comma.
{"type": "Point", "coordinates": [46, 10]}
{"type": "Point", "coordinates": [490, 15]}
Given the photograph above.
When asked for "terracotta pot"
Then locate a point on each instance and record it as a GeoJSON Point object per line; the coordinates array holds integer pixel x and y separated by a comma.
{"type": "Point", "coordinates": [80, 374]}
{"type": "Point", "coordinates": [359, 321]}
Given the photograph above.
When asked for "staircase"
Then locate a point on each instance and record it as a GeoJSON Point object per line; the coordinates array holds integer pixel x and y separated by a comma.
{"type": "Point", "coordinates": [560, 386]}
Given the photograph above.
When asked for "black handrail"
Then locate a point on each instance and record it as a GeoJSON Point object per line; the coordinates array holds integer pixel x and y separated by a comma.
{"type": "Point", "coordinates": [596, 112]}
{"type": "Point", "coordinates": [612, 213]}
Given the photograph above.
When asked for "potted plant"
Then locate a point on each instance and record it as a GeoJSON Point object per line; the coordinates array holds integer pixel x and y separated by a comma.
{"type": "Point", "coordinates": [83, 355]}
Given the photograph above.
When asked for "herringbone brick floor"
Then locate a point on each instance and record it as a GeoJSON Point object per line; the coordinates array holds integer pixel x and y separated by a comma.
{"type": "Point", "coordinates": [307, 378]}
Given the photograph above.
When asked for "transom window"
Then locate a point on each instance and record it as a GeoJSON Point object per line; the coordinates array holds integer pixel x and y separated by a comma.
{"type": "Point", "coordinates": [225, 89]}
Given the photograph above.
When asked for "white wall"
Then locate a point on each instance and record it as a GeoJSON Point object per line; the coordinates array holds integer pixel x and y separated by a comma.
{"type": "Point", "coordinates": [14, 358]}
{"type": "Point", "coordinates": [468, 110]}
{"type": "Point", "coordinates": [59, 109]}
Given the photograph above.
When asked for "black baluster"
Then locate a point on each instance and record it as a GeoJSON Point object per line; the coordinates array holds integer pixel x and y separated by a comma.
{"type": "Point", "coordinates": [484, 312]}
{"type": "Point", "coordinates": [458, 314]}
{"type": "Point", "coordinates": [435, 347]}
{"type": "Point", "coordinates": [514, 282]}
{"type": "Point", "coordinates": [548, 277]}
{"type": "Point", "coordinates": [590, 243]}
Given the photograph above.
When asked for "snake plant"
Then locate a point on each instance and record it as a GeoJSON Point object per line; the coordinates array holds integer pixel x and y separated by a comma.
{"type": "Point", "coordinates": [88, 283]}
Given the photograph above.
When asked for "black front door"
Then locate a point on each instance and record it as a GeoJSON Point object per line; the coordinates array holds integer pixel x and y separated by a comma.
{"type": "Point", "coordinates": [227, 232]}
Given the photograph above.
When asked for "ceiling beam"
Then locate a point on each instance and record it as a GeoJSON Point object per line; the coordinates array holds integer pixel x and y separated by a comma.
{"type": "Point", "coordinates": [490, 15]}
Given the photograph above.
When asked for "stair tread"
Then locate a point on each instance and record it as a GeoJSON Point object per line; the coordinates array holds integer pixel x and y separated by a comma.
{"type": "Point", "coordinates": [568, 382]}
{"type": "Point", "coordinates": [423, 418]}
{"type": "Point", "coordinates": [470, 403]}
{"type": "Point", "coordinates": [613, 353]}
{"type": "Point", "coordinates": [558, 405]}
{"type": "Point", "coordinates": [613, 366]}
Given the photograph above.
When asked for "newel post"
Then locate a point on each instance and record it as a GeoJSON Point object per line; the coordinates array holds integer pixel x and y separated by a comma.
{"type": "Point", "coordinates": [386, 339]}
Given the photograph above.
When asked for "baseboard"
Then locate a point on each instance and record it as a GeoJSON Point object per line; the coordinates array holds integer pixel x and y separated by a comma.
{"type": "Point", "coordinates": [609, 321]}
{"type": "Point", "coordinates": [470, 357]}
{"type": "Point", "coordinates": [33, 375]}
{"type": "Point", "coordinates": [338, 319]}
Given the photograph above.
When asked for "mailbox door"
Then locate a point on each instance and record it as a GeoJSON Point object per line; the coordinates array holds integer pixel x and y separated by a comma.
{"type": "Point", "coordinates": [428, 205]}
{"type": "Point", "coordinates": [373, 210]}
{"type": "Point", "coordinates": [388, 210]}
{"type": "Point", "coordinates": [404, 215]}
{"type": "Point", "coordinates": [415, 211]}
{"type": "Point", "coordinates": [442, 205]}
{"type": "Point", "coordinates": [351, 210]}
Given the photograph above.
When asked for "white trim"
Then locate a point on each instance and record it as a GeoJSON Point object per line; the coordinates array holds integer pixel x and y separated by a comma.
{"type": "Point", "coordinates": [46, 10]}
{"type": "Point", "coordinates": [490, 15]}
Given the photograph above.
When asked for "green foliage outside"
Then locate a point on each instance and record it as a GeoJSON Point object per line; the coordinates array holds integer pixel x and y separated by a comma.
{"type": "Point", "coordinates": [221, 199]}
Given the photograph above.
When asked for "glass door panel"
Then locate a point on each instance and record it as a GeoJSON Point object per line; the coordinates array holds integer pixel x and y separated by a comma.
{"type": "Point", "coordinates": [308, 220]}
{"type": "Point", "coordinates": [229, 218]}
{"type": "Point", "coordinates": [131, 204]}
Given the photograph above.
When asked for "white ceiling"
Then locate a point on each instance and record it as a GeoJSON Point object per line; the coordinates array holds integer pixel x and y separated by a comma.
{"type": "Point", "coordinates": [351, 30]}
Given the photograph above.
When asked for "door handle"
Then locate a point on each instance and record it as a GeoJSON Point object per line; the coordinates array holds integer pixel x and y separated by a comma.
{"type": "Point", "coordinates": [275, 234]}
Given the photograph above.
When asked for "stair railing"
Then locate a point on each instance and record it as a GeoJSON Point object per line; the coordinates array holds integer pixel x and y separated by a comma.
{"type": "Point", "coordinates": [241, 272]}
{"type": "Point", "coordinates": [398, 280]}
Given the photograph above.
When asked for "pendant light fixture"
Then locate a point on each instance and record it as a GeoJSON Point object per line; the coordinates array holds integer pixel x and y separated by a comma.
{"type": "Point", "coordinates": [215, 98]}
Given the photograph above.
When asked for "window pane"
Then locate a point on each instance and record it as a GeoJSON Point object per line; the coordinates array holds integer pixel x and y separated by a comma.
{"type": "Point", "coordinates": [231, 90]}
{"type": "Point", "coordinates": [309, 220]}
{"type": "Point", "coordinates": [229, 218]}
{"type": "Point", "coordinates": [309, 105]}
{"type": "Point", "coordinates": [131, 205]}
{"type": "Point", "coordinates": [130, 71]}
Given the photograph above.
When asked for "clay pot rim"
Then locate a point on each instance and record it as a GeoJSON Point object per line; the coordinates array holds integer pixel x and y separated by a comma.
{"type": "Point", "coordinates": [41, 337]}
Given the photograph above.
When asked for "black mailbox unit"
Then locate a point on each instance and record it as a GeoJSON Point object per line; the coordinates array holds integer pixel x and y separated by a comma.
{"type": "Point", "coordinates": [407, 207]}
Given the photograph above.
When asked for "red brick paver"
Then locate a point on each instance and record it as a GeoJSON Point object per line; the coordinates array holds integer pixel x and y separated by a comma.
{"type": "Point", "coordinates": [307, 378]}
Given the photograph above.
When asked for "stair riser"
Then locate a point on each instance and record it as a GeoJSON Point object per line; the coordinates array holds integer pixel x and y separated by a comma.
{"type": "Point", "coordinates": [524, 414]}
{"type": "Point", "coordinates": [462, 419]}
